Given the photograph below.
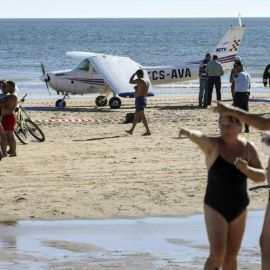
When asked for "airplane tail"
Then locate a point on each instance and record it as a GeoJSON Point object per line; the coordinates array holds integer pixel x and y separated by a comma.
{"type": "Point", "coordinates": [228, 46]}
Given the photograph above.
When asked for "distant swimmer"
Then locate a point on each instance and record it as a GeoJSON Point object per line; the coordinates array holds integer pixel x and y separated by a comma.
{"type": "Point", "coordinates": [266, 76]}
{"type": "Point", "coordinates": [140, 95]}
{"type": "Point", "coordinates": [230, 160]}
{"type": "Point", "coordinates": [9, 119]}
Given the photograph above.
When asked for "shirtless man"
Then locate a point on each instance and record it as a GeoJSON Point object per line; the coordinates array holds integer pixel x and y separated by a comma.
{"type": "Point", "coordinates": [140, 100]}
{"type": "Point", "coordinates": [9, 119]}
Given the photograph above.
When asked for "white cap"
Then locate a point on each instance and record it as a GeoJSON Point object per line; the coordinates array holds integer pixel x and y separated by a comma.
{"type": "Point", "coordinates": [237, 58]}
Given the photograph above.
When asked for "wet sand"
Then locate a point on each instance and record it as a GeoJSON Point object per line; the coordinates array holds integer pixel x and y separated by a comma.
{"type": "Point", "coordinates": [123, 244]}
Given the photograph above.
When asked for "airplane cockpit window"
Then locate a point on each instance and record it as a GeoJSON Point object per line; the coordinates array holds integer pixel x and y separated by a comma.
{"type": "Point", "coordinates": [83, 65]}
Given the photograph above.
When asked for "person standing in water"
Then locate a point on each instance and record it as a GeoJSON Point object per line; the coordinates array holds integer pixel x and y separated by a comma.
{"type": "Point", "coordinates": [261, 124]}
{"type": "Point", "coordinates": [230, 160]}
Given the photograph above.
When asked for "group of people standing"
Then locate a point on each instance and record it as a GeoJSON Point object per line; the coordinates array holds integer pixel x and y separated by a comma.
{"type": "Point", "coordinates": [210, 73]}
{"type": "Point", "coordinates": [8, 104]}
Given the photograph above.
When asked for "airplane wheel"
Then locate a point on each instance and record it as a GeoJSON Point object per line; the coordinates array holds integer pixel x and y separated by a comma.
{"type": "Point", "coordinates": [115, 103]}
{"type": "Point", "coordinates": [60, 103]}
{"type": "Point", "coordinates": [100, 101]}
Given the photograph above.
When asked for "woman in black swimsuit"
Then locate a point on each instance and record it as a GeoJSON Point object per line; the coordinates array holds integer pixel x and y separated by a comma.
{"type": "Point", "coordinates": [230, 160]}
{"type": "Point", "coordinates": [261, 124]}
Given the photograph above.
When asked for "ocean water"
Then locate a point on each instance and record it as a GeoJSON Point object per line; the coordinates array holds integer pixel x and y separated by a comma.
{"type": "Point", "coordinates": [28, 42]}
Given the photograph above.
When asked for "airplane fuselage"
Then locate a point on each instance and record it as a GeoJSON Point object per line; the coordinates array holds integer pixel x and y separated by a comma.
{"type": "Point", "coordinates": [172, 74]}
{"type": "Point", "coordinates": [79, 82]}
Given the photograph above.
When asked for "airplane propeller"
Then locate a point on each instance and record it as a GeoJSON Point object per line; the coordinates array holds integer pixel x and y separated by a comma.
{"type": "Point", "coordinates": [45, 79]}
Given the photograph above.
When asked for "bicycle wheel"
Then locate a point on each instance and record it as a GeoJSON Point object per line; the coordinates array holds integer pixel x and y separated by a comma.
{"type": "Point", "coordinates": [34, 130]}
{"type": "Point", "coordinates": [21, 133]}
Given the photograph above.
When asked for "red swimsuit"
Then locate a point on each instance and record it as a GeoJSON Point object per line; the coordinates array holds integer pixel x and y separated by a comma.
{"type": "Point", "coordinates": [9, 122]}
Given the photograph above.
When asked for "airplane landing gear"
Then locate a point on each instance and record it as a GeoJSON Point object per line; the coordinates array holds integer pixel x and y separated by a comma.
{"type": "Point", "coordinates": [61, 102]}
{"type": "Point", "coordinates": [115, 103]}
{"type": "Point", "coordinates": [101, 101]}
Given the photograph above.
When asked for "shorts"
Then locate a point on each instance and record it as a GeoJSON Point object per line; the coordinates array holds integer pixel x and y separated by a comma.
{"type": "Point", "coordinates": [140, 103]}
{"type": "Point", "coordinates": [9, 122]}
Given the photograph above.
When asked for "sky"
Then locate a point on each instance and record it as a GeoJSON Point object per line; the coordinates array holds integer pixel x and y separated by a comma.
{"type": "Point", "coordinates": [133, 9]}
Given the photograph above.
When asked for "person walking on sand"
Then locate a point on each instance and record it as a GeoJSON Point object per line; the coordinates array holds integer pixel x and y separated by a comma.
{"type": "Point", "coordinates": [261, 124]}
{"type": "Point", "coordinates": [214, 70]}
{"type": "Point", "coordinates": [230, 160]}
{"type": "Point", "coordinates": [9, 118]}
{"type": "Point", "coordinates": [140, 100]}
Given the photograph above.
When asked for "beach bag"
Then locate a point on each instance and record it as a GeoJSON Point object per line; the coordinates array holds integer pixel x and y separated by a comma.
{"type": "Point", "coordinates": [130, 118]}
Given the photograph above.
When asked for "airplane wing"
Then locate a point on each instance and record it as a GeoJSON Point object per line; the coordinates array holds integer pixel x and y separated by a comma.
{"type": "Point", "coordinates": [116, 71]}
{"type": "Point", "coordinates": [80, 55]}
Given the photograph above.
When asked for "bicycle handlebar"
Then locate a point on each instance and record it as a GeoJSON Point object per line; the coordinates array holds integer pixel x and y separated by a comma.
{"type": "Point", "coordinates": [22, 100]}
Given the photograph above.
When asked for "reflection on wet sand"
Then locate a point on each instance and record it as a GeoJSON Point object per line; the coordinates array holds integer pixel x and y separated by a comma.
{"type": "Point", "coordinates": [9, 242]}
{"type": "Point", "coordinates": [137, 244]}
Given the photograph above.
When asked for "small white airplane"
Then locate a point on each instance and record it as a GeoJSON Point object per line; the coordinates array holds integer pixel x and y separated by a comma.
{"type": "Point", "coordinates": [106, 74]}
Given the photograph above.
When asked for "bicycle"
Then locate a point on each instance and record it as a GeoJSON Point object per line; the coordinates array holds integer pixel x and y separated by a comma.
{"type": "Point", "coordinates": [25, 125]}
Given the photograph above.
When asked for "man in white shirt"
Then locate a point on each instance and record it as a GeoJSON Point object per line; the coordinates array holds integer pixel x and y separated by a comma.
{"type": "Point", "coordinates": [242, 88]}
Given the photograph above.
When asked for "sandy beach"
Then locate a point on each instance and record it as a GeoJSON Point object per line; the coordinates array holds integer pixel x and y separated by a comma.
{"type": "Point", "coordinates": [94, 170]}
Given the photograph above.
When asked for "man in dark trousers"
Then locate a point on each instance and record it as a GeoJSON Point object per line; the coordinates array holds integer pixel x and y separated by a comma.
{"type": "Point", "coordinates": [242, 88]}
{"type": "Point", "coordinates": [203, 81]}
{"type": "Point", "coordinates": [214, 69]}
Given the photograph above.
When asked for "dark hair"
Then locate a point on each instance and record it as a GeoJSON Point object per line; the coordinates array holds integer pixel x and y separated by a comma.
{"type": "Point", "coordinates": [215, 57]}
{"type": "Point", "coordinates": [232, 119]}
{"type": "Point", "coordinates": [139, 72]}
{"type": "Point", "coordinates": [11, 83]}
{"type": "Point", "coordinates": [3, 83]}
{"type": "Point", "coordinates": [208, 54]}
{"type": "Point", "coordinates": [238, 64]}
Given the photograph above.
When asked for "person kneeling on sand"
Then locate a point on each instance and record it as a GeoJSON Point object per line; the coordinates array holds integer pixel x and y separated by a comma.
{"type": "Point", "coordinates": [9, 118]}
{"type": "Point", "coordinates": [140, 100]}
{"type": "Point", "coordinates": [230, 160]}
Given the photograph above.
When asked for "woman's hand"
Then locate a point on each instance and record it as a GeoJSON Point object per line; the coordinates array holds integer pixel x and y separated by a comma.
{"type": "Point", "coordinates": [241, 165]}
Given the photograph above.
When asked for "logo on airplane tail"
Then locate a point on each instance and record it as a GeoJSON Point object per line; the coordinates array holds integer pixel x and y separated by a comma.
{"type": "Point", "coordinates": [235, 45]}
{"type": "Point", "coordinates": [221, 49]}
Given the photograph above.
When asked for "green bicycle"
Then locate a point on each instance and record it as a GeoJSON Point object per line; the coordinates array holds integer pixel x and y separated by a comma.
{"type": "Point", "coordinates": [25, 125]}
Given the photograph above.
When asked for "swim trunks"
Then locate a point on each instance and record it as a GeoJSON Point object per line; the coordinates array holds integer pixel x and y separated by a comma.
{"type": "Point", "coordinates": [226, 191]}
{"type": "Point", "coordinates": [140, 103]}
{"type": "Point", "coordinates": [9, 122]}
